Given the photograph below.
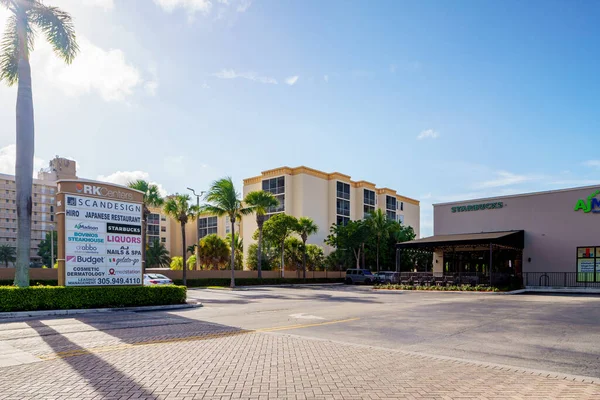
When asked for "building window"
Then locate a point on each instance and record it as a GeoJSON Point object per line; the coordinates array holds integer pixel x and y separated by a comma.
{"type": "Point", "coordinates": [391, 215]}
{"type": "Point", "coordinates": [163, 218]}
{"type": "Point", "coordinates": [343, 190]}
{"type": "Point", "coordinates": [52, 218]}
{"type": "Point", "coordinates": [153, 219]}
{"type": "Point", "coordinates": [275, 186]}
{"type": "Point", "coordinates": [341, 220]}
{"type": "Point", "coordinates": [163, 239]}
{"type": "Point", "coordinates": [153, 230]}
{"type": "Point", "coordinates": [163, 228]}
{"type": "Point", "coordinates": [369, 202]}
{"type": "Point", "coordinates": [390, 203]}
{"type": "Point", "coordinates": [401, 206]}
{"type": "Point", "coordinates": [588, 264]}
{"type": "Point", "coordinates": [343, 207]}
{"type": "Point", "coordinates": [207, 226]}
{"type": "Point", "coordinates": [51, 209]}
{"type": "Point", "coordinates": [152, 238]}
{"type": "Point", "coordinates": [401, 219]}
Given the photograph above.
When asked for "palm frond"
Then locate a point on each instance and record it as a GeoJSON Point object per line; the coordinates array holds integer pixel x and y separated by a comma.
{"type": "Point", "coordinates": [9, 56]}
{"type": "Point", "coordinates": [214, 210]}
{"type": "Point", "coordinates": [58, 27]}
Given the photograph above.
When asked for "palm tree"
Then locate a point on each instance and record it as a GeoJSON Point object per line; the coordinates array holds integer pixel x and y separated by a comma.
{"type": "Point", "coordinates": [192, 248]}
{"type": "Point", "coordinates": [260, 202]}
{"type": "Point", "coordinates": [18, 42]}
{"type": "Point", "coordinates": [305, 227]}
{"type": "Point", "coordinates": [378, 223]}
{"type": "Point", "coordinates": [238, 244]}
{"type": "Point", "coordinates": [7, 254]}
{"type": "Point", "coordinates": [157, 255]}
{"type": "Point", "coordinates": [179, 208]}
{"type": "Point", "coordinates": [222, 199]}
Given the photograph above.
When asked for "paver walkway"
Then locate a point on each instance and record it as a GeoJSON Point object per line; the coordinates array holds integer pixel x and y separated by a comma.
{"type": "Point", "coordinates": [203, 361]}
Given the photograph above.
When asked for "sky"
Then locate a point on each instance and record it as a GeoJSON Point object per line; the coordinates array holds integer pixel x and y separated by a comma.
{"type": "Point", "coordinates": [439, 100]}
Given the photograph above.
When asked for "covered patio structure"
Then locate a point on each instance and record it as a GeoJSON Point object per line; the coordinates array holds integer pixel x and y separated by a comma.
{"type": "Point", "coordinates": [489, 258]}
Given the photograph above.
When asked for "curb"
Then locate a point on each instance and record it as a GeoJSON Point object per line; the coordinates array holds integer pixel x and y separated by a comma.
{"type": "Point", "coordinates": [247, 287]}
{"type": "Point", "coordinates": [49, 313]}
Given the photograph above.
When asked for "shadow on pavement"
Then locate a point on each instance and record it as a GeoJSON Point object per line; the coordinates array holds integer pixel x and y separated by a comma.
{"type": "Point", "coordinates": [106, 380]}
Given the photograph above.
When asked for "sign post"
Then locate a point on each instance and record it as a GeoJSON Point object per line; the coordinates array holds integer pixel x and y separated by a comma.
{"type": "Point", "coordinates": [100, 241]}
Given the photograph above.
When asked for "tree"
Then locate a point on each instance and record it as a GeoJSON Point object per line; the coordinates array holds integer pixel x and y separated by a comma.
{"type": "Point", "coordinates": [45, 249]}
{"type": "Point", "coordinates": [260, 202]}
{"type": "Point", "coordinates": [18, 41]}
{"type": "Point", "coordinates": [269, 253]}
{"type": "Point", "coordinates": [7, 254]}
{"type": "Point", "coordinates": [222, 199]}
{"type": "Point", "coordinates": [177, 264]}
{"type": "Point", "coordinates": [278, 228]}
{"type": "Point", "coordinates": [192, 248]}
{"type": "Point", "coordinates": [315, 258]}
{"type": "Point", "coordinates": [238, 245]}
{"type": "Point", "coordinates": [152, 198]}
{"type": "Point", "coordinates": [293, 252]}
{"type": "Point", "coordinates": [305, 227]}
{"type": "Point", "coordinates": [179, 208]}
{"type": "Point", "coordinates": [191, 262]}
{"type": "Point", "coordinates": [350, 237]}
{"type": "Point", "coordinates": [379, 225]}
{"type": "Point", "coordinates": [157, 255]}
{"type": "Point", "coordinates": [213, 252]}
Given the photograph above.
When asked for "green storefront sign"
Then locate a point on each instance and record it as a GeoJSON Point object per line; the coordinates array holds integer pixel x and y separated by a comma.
{"type": "Point", "coordinates": [478, 207]}
{"type": "Point", "coordinates": [591, 204]}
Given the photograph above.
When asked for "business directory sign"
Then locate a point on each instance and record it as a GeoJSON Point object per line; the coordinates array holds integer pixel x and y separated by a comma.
{"type": "Point", "coordinates": [102, 242]}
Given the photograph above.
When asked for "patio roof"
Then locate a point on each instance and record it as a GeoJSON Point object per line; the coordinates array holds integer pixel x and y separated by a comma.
{"type": "Point", "coordinates": [513, 239]}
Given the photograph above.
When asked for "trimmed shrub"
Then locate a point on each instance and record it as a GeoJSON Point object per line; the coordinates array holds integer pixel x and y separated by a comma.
{"type": "Point", "coordinates": [60, 297]}
{"type": "Point", "coordinates": [254, 281]}
{"type": "Point", "coordinates": [454, 288]}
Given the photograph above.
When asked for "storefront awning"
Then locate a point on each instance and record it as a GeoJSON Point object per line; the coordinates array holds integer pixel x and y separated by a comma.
{"type": "Point", "coordinates": [512, 239]}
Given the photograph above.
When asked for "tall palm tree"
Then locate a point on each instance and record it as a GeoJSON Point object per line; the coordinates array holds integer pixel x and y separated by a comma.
{"type": "Point", "coordinates": [378, 224]}
{"type": "Point", "coordinates": [305, 227]}
{"type": "Point", "coordinates": [238, 243]}
{"type": "Point", "coordinates": [56, 24]}
{"type": "Point", "coordinates": [7, 254]}
{"type": "Point", "coordinates": [260, 202]}
{"type": "Point", "coordinates": [222, 199]}
{"type": "Point", "coordinates": [179, 208]}
{"type": "Point", "coordinates": [157, 255]}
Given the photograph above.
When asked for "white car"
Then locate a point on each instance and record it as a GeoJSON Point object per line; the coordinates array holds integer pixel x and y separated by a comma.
{"type": "Point", "coordinates": [156, 279]}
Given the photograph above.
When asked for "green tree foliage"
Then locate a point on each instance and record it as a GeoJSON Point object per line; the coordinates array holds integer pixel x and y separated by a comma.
{"type": "Point", "coordinates": [157, 255]}
{"type": "Point", "coordinates": [260, 202]}
{"type": "Point", "coordinates": [293, 253]}
{"type": "Point", "coordinates": [315, 258]}
{"type": "Point", "coordinates": [191, 262]}
{"type": "Point", "coordinates": [277, 229]}
{"type": "Point", "coordinates": [191, 248]}
{"type": "Point", "coordinates": [177, 264]}
{"type": "Point", "coordinates": [223, 199]}
{"type": "Point", "coordinates": [270, 256]}
{"type": "Point", "coordinates": [213, 252]}
{"type": "Point", "coordinates": [238, 245]}
{"type": "Point", "coordinates": [349, 239]}
{"type": "Point", "coordinates": [305, 227]}
{"type": "Point", "coordinates": [152, 197]}
{"type": "Point", "coordinates": [45, 250]}
{"type": "Point", "coordinates": [379, 227]}
{"type": "Point", "coordinates": [8, 254]}
{"type": "Point", "coordinates": [26, 18]}
{"type": "Point", "coordinates": [179, 208]}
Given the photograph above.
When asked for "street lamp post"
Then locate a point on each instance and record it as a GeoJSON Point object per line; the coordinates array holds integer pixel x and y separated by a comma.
{"type": "Point", "coordinates": [197, 222]}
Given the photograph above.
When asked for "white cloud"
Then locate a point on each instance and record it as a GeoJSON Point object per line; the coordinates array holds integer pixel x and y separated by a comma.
{"type": "Point", "coordinates": [191, 6]}
{"type": "Point", "coordinates": [504, 178]}
{"type": "Point", "coordinates": [151, 86]}
{"type": "Point", "coordinates": [106, 4]}
{"type": "Point", "coordinates": [243, 6]}
{"type": "Point", "coordinates": [592, 163]}
{"type": "Point", "coordinates": [8, 160]}
{"type": "Point", "coordinates": [205, 86]}
{"type": "Point", "coordinates": [428, 134]}
{"type": "Point", "coordinates": [231, 74]}
{"type": "Point", "coordinates": [326, 78]}
{"type": "Point", "coordinates": [124, 177]}
{"type": "Point", "coordinates": [105, 72]}
{"type": "Point", "coordinates": [292, 80]}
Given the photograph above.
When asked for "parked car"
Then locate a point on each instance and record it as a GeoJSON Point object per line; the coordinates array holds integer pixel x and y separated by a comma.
{"type": "Point", "coordinates": [156, 279]}
{"type": "Point", "coordinates": [354, 276]}
{"type": "Point", "coordinates": [387, 277]}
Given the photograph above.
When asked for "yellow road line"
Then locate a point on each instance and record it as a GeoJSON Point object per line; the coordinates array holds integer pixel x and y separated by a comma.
{"type": "Point", "coordinates": [216, 335]}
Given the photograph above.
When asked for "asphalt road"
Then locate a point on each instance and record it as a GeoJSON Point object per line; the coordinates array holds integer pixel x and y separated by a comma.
{"type": "Point", "coordinates": [553, 333]}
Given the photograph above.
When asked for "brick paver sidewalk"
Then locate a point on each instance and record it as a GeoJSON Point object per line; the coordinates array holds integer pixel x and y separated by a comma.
{"type": "Point", "coordinates": [251, 365]}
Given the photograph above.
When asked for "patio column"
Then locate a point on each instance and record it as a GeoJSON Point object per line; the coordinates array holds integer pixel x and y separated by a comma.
{"type": "Point", "coordinates": [490, 267]}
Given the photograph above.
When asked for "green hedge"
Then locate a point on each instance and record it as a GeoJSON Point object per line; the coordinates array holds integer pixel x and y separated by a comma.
{"type": "Point", "coordinates": [60, 297]}
{"type": "Point", "coordinates": [254, 281]}
{"type": "Point", "coordinates": [32, 283]}
{"type": "Point", "coordinates": [453, 288]}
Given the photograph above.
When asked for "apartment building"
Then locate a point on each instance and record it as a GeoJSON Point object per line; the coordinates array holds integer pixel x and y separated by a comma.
{"type": "Point", "coordinates": [327, 198]}
{"type": "Point", "coordinates": [44, 202]}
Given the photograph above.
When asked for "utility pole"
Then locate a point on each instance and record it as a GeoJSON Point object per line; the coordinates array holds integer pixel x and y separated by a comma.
{"type": "Point", "coordinates": [197, 224]}
{"type": "Point", "coordinates": [51, 246]}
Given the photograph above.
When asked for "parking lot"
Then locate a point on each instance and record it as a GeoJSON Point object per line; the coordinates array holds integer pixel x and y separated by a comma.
{"type": "Point", "coordinates": [338, 342]}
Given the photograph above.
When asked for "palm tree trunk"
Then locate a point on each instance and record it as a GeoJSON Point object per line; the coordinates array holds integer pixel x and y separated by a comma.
{"type": "Point", "coordinates": [24, 162]}
{"type": "Point", "coordinates": [304, 261]}
{"type": "Point", "coordinates": [378, 254]}
{"type": "Point", "coordinates": [184, 254]}
{"type": "Point", "coordinates": [282, 259]}
{"type": "Point", "coordinates": [232, 284]}
{"type": "Point", "coordinates": [259, 251]}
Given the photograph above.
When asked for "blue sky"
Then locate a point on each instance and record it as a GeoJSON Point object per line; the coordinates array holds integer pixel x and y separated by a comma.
{"type": "Point", "coordinates": [439, 100]}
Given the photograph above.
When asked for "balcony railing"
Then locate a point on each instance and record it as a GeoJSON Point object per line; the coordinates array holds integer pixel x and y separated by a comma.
{"type": "Point", "coordinates": [562, 279]}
